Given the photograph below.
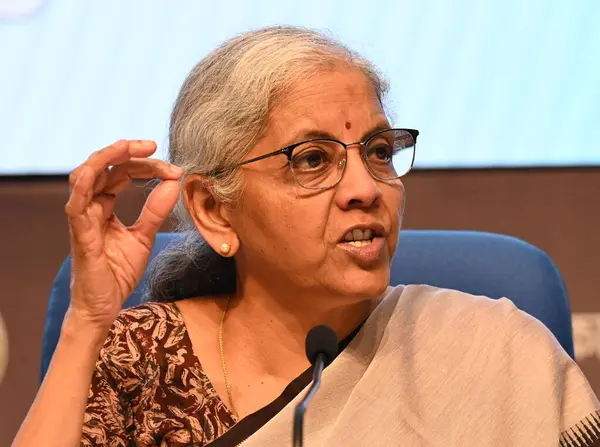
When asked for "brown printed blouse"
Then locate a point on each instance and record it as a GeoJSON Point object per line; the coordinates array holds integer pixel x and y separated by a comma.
{"type": "Point", "coordinates": [149, 389]}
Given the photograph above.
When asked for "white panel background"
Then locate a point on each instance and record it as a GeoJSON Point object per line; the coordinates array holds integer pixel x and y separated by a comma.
{"type": "Point", "coordinates": [488, 83]}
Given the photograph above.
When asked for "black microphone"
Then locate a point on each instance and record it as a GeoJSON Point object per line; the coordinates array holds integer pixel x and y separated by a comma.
{"type": "Point", "coordinates": [321, 349]}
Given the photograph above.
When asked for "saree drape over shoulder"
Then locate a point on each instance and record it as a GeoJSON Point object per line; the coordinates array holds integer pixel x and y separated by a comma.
{"type": "Point", "coordinates": [429, 367]}
{"type": "Point", "coordinates": [433, 367]}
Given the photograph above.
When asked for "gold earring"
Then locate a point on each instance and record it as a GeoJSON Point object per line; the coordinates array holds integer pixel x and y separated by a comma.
{"type": "Point", "coordinates": [225, 247]}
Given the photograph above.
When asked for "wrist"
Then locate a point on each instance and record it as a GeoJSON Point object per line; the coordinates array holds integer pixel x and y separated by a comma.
{"type": "Point", "coordinates": [79, 328]}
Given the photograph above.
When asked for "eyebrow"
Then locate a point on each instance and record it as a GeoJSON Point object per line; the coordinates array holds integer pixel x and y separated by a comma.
{"type": "Point", "coordinates": [310, 134]}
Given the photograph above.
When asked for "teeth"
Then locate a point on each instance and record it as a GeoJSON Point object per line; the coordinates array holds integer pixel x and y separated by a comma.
{"type": "Point", "coordinates": [358, 235]}
{"type": "Point", "coordinates": [359, 243]}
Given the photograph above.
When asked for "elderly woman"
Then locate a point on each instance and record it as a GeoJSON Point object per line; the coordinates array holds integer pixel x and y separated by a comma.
{"type": "Point", "coordinates": [288, 175]}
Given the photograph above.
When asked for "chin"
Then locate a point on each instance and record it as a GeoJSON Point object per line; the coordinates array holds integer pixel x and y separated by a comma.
{"type": "Point", "coordinates": [365, 284]}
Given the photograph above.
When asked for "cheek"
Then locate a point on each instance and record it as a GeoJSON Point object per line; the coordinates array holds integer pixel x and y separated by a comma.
{"type": "Point", "coordinates": [301, 226]}
{"type": "Point", "coordinates": [279, 222]}
{"type": "Point", "coordinates": [396, 201]}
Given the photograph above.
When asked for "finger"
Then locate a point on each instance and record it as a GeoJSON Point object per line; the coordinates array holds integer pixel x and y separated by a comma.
{"type": "Point", "coordinates": [80, 226]}
{"type": "Point", "coordinates": [116, 154]}
{"type": "Point", "coordinates": [83, 200]}
{"type": "Point", "coordinates": [135, 149]}
{"type": "Point", "coordinates": [157, 208]}
{"type": "Point", "coordinates": [150, 168]}
{"type": "Point", "coordinates": [101, 181]}
{"type": "Point", "coordinates": [139, 168]}
{"type": "Point", "coordinates": [119, 153]}
{"type": "Point", "coordinates": [141, 148]}
{"type": "Point", "coordinates": [81, 193]}
{"type": "Point", "coordinates": [87, 234]}
{"type": "Point", "coordinates": [107, 203]}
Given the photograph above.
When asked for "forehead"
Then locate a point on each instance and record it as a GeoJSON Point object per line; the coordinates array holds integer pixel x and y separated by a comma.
{"type": "Point", "coordinates": [330, 101]}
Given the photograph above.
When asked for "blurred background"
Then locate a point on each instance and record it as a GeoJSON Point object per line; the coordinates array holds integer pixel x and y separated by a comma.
{"type": "Point", "coordinates": [506, 95]}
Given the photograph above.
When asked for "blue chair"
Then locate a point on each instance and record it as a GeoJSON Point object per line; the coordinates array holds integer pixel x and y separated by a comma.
{"type": "Point", "coordinates": [474, 262]}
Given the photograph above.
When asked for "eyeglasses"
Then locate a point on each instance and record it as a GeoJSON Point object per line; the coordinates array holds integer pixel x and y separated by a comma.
{"type": "Point", "coordinates": [320, 163]}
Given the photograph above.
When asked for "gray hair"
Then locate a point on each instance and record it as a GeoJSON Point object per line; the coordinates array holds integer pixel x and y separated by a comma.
{"type": "Point", "coordinates": [220, 114]}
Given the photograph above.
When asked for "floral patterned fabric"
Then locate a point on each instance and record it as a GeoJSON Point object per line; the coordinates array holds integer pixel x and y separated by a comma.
{"type": "Point", "coordinates": [148, 387]}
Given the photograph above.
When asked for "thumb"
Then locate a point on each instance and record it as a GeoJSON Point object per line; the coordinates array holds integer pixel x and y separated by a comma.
{"type": "Point", "coordinates": [157, 208]}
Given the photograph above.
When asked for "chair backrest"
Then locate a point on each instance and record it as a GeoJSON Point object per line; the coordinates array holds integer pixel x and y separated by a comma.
{"type": "Point", "coordinates": [474, 262]}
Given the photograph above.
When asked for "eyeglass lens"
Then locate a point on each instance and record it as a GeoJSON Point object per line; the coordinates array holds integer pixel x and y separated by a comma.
{"type": "Point", "coordinates": [320, 164]}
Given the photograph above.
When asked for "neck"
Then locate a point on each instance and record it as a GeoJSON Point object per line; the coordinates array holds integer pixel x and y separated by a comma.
{"type": "Point", "coordinates": [271, 327]}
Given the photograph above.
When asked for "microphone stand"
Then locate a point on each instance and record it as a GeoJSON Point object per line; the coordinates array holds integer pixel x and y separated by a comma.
{"type": "Point", "coordinates": [318, 367]}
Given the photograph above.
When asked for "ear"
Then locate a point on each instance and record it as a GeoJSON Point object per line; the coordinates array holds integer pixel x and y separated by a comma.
{"type": "Point", "coordinates": [210, 216]}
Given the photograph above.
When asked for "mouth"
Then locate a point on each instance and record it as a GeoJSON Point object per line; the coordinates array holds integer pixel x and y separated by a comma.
{"type": "Point", "coordinates": [362, 235]}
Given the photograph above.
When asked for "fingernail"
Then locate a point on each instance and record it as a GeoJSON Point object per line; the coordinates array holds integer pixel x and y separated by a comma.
{"type": "Point", "coordinates": [176, 169]}
{"type": "Point", "coordinates": [146, 143]}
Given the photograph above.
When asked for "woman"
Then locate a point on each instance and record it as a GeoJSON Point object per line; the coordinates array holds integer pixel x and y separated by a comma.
{"type": "Point", "coordinates": [285, 163]}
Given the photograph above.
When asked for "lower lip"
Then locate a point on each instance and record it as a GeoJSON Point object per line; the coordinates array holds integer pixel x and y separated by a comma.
{"type": "Point", "coordinates": [367, 253]}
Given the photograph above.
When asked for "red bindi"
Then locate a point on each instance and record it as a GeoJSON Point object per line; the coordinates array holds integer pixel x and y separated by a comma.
{"type": "Point", "coordinates": [348, 125]}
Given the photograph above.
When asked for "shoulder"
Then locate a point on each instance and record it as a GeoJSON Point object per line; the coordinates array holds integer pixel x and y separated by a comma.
{"type": "Point", "coordinates": [140, 332]}
{"type": "Point", "coordinates": [468, 342]}
{"type": "Point", "coordinates": [475, 338]}
{"type": "Point", "coordinates": [147, 314]}
{"type": "Point", "coordinates": [472, 318]}
{"type": "Point", "coordinates": [147, 321]}
{"type": "Point", "coordinates": [430, 301]}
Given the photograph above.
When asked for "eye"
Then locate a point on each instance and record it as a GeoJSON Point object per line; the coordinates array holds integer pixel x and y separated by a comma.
{"type": "Point", "coordinates": [314, 158]}
{"type": "Point", "coordinates": [380, 152]}
{"type": "Point", "coordinates": [311, 158]}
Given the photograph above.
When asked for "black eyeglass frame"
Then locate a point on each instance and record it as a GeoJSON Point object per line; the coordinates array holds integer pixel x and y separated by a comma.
{"type": "Point", "coordinates": [288, 150]}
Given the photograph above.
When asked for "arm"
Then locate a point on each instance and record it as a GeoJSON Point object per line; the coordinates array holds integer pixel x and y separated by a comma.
{"type": "Point", "coordinates": [108, 418]}
{"type": "Point", "coordinates": [56, 416]}
{"type": "Point", "coordinates": [108, 261]}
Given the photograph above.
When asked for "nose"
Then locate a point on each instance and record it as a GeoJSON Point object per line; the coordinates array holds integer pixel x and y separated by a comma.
{"type": "Point", "coordinates": [357, 188]}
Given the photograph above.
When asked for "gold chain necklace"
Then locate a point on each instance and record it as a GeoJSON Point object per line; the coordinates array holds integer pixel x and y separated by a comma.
{"type": "Point", "coordinates": [227, 384]}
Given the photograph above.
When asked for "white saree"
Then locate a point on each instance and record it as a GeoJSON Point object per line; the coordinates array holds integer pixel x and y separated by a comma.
{"type": "Point", "coordinates": [434, 367]}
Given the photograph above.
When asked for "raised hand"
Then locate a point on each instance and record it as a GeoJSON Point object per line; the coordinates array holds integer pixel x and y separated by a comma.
{"type": "Point", "coordinates": [108, 258]}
